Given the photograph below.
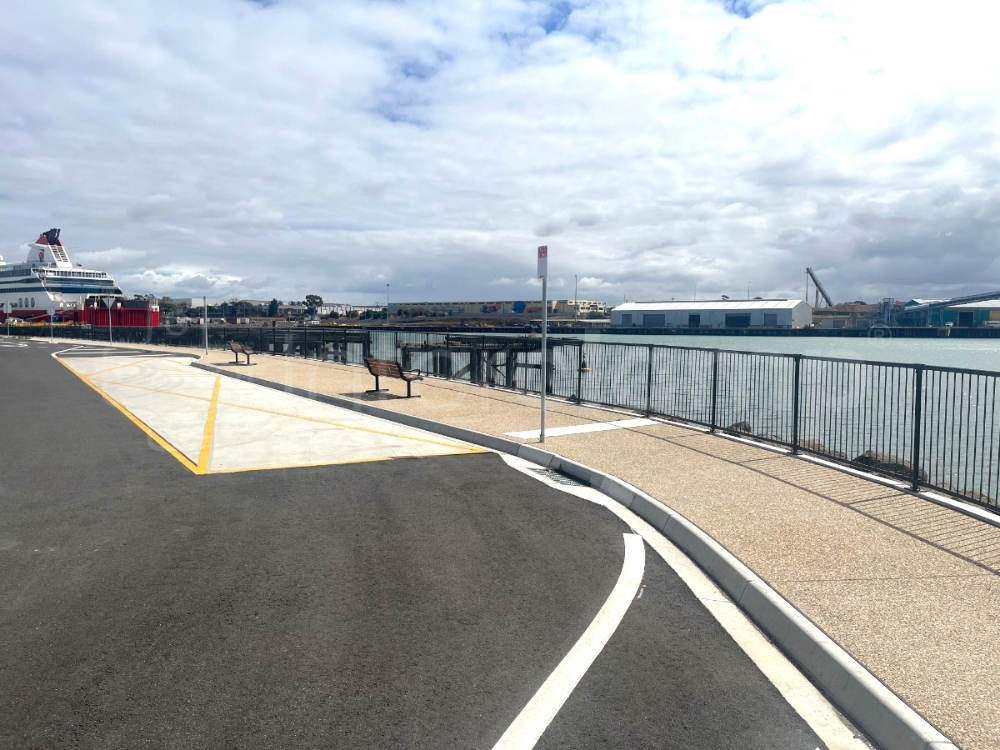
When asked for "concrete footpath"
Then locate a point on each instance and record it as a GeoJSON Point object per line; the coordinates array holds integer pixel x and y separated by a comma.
{"type": "Point", "coordinates": [909, 588]}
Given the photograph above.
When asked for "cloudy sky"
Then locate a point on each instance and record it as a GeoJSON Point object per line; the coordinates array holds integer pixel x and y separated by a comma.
{"type": "Point", "coordinates": [257, 149]}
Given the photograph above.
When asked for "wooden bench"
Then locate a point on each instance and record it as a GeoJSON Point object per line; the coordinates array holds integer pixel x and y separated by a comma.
{"type": "Point", "coordinates": [386, 368]}
{"type": "Point", "coordinates": [239, 349]}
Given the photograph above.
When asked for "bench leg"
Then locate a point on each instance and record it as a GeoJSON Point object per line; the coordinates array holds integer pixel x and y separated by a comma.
{"type": "Point", "coordinates": [237, 357]}
{"type": "Point", "coordinates": [377, 389]}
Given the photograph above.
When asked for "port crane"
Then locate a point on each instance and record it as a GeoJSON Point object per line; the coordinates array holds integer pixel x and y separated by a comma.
{"type": "Point", "coordinates": [819, 289]}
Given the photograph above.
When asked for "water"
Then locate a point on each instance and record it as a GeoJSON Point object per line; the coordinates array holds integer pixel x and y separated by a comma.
{"type": "Point", "coordinates": [972, 354]}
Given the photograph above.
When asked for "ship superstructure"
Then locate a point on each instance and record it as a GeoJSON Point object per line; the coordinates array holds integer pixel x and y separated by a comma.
{"type": "Point", "coordinates": [47, 286]}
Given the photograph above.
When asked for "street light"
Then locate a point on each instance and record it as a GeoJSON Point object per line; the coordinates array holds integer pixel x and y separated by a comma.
{"type": "Point", "coordinates": [386, 303]}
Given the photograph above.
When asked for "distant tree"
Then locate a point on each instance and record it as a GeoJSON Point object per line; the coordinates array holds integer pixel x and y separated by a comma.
{"type": "Point", "coordinates": [167, 306]}
{"type": "Point", "coordinates": [312, 302]}
{"type": "Point", "coordinates": [334, 315]}
{"type": "Point", "coordinates": [352, 313]}
{"type": "Point", "coordinates": [596, 315]}
{"type": "Point", "coordinates": [272, 308]}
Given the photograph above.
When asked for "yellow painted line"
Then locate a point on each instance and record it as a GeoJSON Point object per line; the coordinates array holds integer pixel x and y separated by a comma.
{"type": "Point", "coordinates": [347, 426]}
{"type": "Point", "coordinates": [119, 367]}
{"type": "Point", "coordinates": [202, 466]}
{"type": "Point", "coordinates": [152, 390]}
{"type": "Point", "coordinates": [290, 416]}
{"type": "Point", "coordinates": [352, 461]}
{"type": "Point", "coordinates": [206, 441]}
{"type": "Point", "coordinates": [139, 423]}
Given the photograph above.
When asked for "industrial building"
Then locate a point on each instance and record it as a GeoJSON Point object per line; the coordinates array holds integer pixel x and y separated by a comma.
{"type": "Point", "coordinates": [499, 309]}
{"type": "Point", "coordinates": [976, 312]}
{"type": "Point", "coordinates": [757, 313]}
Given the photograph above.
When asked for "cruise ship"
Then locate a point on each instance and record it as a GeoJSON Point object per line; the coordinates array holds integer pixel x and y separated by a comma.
{"type": "Point", "coordinates": [49, 287]}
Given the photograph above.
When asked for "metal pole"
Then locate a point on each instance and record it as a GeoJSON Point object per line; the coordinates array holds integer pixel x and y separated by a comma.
{"type": "Point", "coordinates": [204, 301]}
{"type": "Point", "coordinates": [579, 373]}
{"type": "Point", "coordinates": [111, 339]}
{"type": "Point", "coordinates": [715, 385]}
{"type": "Point", "coordinates": [649, 379]}
{"type": "Point", "coordinates": [576, 301]}
{"type": "Point", "coordinates": [918, 398]}
{"type": "Point", "coordinates": [795, 405]}
{"type": "Point", "coordinates": [545, 362]}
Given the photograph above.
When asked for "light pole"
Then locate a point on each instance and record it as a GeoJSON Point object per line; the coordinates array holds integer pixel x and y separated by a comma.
{"type": "Point", "coordinates": [543, 272]}
{"type": "Point", "coordinates": [204, 303]}
{"type": "Point", "coordinates": [386, 303]}
{"type": "Point", "coordinates": [111, 339]}
{"type": "Point", "coordinates": [748, 290]}
{"type": "Point", "coordinates": [576, 301]}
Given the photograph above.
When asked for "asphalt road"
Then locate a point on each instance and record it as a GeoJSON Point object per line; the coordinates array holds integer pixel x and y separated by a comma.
{"type": "Point", "coordinates": [415, 603]}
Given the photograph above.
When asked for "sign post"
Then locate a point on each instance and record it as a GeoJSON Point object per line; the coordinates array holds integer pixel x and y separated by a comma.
{"type": "Point", "coordinates": [111, 338]}
{"type": "Point", "coordinates": [543, 274]}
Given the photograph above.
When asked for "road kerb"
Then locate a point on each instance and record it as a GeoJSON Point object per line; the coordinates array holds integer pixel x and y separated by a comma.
{"type": "Point", "coordinates": [875, 709]}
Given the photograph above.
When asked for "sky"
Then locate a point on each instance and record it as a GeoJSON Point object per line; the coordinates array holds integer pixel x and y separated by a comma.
{"type": "Point", "coordinates": [662, 150]}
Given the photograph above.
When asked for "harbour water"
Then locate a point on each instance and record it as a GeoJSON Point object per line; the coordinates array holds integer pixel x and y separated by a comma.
{"type": "Point", "coordinates": [973, 354]}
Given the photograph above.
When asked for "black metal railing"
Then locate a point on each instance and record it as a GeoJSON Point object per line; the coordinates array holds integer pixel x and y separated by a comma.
{"type": "Point", "coordinates": [932, 427]}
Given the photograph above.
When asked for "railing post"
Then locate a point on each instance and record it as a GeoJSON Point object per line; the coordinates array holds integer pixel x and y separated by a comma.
{"type": "Point", "coordinates": [795, 405]}
{"type": "Point", "coordinates": [579, 373]}
{"type": "Point", "coordinates": [715, 385]}
{"type": "Point", "coordinates": [918, 399]}
{"type": "Point", "coordinates": [649, 379]}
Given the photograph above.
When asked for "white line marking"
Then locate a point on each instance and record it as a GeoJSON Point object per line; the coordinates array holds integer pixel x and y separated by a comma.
{"type": "Point", "coordinates": [589, 427]}
{"type": "Point", "coordinates": [800, 694]}
{"type": "Point", "coordinates": [543, 707]}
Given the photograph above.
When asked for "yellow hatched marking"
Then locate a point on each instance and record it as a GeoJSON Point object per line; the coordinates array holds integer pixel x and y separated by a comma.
{"type": "Point", "coordinates": [342, 463]}
{"type": "Point", "coordinates": [206, 441]}
{"type": "Point", "coordinates": [298, 416]}
{"type": "Point", "coordinates": [119, 367]}
{"type": "Point", "coordinates": [138, 422]}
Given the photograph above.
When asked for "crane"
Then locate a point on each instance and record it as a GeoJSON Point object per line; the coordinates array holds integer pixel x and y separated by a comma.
{"type": "Point", "coordinates": [819, 289]}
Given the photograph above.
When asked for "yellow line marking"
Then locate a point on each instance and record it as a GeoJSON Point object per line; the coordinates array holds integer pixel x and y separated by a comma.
{"type": "Point", "coordinates": [203, 458]}
{"type": "Point", "coordinates": [352, 461]}
{"type": "Point", "coordinates": [290, 416]}
{"type": "Point", "coordinates": [118, 367]}
{"type": "Point", "coordinates": [346, 426]}
{"type": "Point", "coordinates": [139, 423]}
{"type": "Point", "coordinates": [206, 441]}
{"type": "Point", "coordinates": [152, 390]}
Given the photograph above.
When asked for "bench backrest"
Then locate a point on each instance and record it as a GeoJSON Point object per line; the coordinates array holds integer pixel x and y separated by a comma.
{"type": "Point", "coordinates": [384, 368]}
{"type": "Point", "coordinates": [236, 346]}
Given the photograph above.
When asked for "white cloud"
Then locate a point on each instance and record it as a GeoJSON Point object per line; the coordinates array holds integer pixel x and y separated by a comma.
{"type": "Point", "coordinates": [306, 147]}
{"type": "Point", "coordinates": [502, 281]}
{"type": "Point", "coordinates": [115, 258]}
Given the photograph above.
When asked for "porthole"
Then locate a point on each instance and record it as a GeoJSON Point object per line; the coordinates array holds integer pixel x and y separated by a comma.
{"type": "Point", "coordinates": [32, 301]}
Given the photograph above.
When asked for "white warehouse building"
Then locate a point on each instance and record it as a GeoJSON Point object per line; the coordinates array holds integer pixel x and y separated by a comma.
{"type": "Point", "coordinates": [763, 313]}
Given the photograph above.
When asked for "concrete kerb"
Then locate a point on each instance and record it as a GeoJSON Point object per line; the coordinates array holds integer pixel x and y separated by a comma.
{"type": "Point", "coordinates": [887, 720]}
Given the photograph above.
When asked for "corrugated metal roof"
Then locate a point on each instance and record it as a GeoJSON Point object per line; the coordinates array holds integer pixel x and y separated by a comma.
{"type": "Point", "coordinates": [986, 304]}
{"type": "Point", "coordinates": [715, 304]}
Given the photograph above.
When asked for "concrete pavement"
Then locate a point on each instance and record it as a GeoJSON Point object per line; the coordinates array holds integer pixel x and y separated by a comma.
{"type": "Point", "coordinates": [409, 603]}
{"type": "Point", "coordinates": [909, 588]}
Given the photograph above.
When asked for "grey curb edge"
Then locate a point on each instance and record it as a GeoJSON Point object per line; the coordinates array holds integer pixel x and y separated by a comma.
{"type": "Point", "coordinates": [862, 697]}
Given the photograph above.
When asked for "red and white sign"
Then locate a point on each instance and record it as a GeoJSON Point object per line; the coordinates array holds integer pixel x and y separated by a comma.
{"type": "Point", "coordinates": [543, 261]}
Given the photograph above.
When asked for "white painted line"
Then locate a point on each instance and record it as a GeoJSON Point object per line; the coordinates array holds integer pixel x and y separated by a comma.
{"type": "Point", "coordinates": [801, 695]}
{"type": "Point", "coordinates": [589, 427]}
{"type": "Point", "coordinates": [531, 723]}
